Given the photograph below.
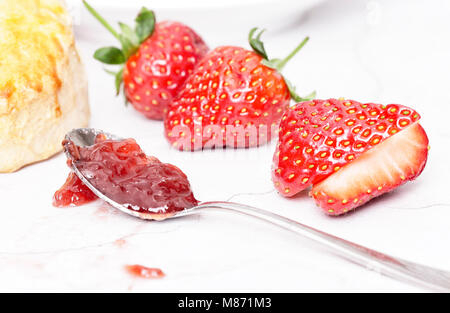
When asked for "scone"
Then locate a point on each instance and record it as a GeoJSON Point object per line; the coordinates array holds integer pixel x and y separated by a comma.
{"type": "Point", "coordinates": [43, 88]}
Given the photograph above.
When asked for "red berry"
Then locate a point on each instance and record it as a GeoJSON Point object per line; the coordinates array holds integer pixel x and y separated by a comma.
{"type": "Point", "coordinates": [230, 87]}
{"type": "Point", "coordinates": [395, 161]}
{"type": "Point", "coordinates": [154, 75]}
{"type": "Point", "coordinates": [158, 59]}
{"type": "Point", "coordinates": [231, 99]}
{"type": "Point", "coordinates": [320, 139]}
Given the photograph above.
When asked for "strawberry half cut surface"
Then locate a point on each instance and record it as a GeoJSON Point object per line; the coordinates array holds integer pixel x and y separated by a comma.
{"type": "Point", "coordinates": [349, 151]}
{"type": "Point", "coordinates": [154, 60]}
{"type": "Point", "coordinates": [234, 98]}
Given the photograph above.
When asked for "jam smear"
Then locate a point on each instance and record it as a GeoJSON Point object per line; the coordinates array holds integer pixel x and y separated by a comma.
{"type": "Point", "coordinates": [73, 193]}
{"type": "Point", "coordinates": [125, 174]}
{"type": "Point", "coordinates": [144, 272]}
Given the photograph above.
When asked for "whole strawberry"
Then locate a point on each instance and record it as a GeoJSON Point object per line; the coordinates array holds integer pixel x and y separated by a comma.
{"type": "Point", "coordinates": [349, 151]}
{"type": "Point", "coordinates": [235, 97]}
{"type": "Point", "coordinates": [158, 58]}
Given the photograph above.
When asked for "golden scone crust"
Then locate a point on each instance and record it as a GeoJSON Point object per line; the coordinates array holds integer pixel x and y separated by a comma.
{"type": "Point", "coordinates": [43, 88]}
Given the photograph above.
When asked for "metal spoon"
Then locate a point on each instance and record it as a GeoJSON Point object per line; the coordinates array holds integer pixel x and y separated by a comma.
{"type": "Point", "coordinates": [393, 267]}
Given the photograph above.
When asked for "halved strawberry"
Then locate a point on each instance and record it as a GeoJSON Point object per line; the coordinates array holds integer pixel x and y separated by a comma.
{"type": "Point", "coordinates": [318, 138]}
{"type": "Point", "coordinates": [395, 161]}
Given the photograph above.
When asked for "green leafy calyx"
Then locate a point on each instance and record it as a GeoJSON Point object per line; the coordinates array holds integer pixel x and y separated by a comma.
{"type": "Point", "coordinates": [256, 43]}
{"type": "Point", "coordinates": [277, 64]}
{"type": "Point", "coordinates": [130, 39]}
{"type": "Point", "coordinates": [110, 55]}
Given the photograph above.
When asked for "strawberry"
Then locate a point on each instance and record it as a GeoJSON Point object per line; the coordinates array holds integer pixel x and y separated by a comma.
{"type": "Point", "coordinates": [392, 163]}
{"type": "Point", "coordinates": [233, 98]}
{"type": "Point", "coordinates": [350, 152]}
{"type": "Point", "coordinates": [158, 58]}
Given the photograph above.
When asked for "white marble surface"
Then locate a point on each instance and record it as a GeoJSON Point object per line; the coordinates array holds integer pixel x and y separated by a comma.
{"type": "Point", "coordinates": [381, 51]}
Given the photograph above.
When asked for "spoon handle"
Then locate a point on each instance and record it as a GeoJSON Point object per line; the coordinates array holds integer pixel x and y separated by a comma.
{"type": "Point", "coordinates": [381, 263]}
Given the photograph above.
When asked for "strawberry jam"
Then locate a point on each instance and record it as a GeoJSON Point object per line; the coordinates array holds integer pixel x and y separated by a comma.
{"type": "Point", "coordinates": [121, 171]}
{"type": "Point", "coordinates": [73, 193]}
{"type": "Point", "coordinates": [144, 272]}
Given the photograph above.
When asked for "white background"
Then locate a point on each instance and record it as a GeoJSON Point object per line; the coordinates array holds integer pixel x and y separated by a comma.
{"type": "Point", "coordinates": [377, 51]}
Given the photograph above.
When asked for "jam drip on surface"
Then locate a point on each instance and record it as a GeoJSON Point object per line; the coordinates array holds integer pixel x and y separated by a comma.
{"type": "Point", "coordinates": [144, 272]}
{"type": "Point", "coordinates": [122, 171]}
{"type": "Point", "coordinates": [73, 193]}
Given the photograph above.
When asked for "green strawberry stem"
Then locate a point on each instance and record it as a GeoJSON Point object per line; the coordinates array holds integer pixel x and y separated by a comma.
{"type": "Point", "coordinates": [278, 64]}
{"type": "Point", "coordinates": [283, 62]}
{"type": "Point", "coordinates": [129, 38]}
{"type": "Point", "coordinates": [101, 19]}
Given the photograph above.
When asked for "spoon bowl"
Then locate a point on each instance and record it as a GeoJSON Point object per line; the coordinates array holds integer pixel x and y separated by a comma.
{"type": "Point", "coordinates": [85, 137]}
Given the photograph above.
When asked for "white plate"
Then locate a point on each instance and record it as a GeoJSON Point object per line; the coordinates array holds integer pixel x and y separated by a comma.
{"type": "Point", "coordinates": [182, 4]}
{"type": "Point", "coordinates": [230, 21]}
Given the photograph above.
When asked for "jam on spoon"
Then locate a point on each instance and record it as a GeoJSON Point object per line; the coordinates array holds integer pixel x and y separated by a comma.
{"type": "Point", "coordinates": [120, 170]}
